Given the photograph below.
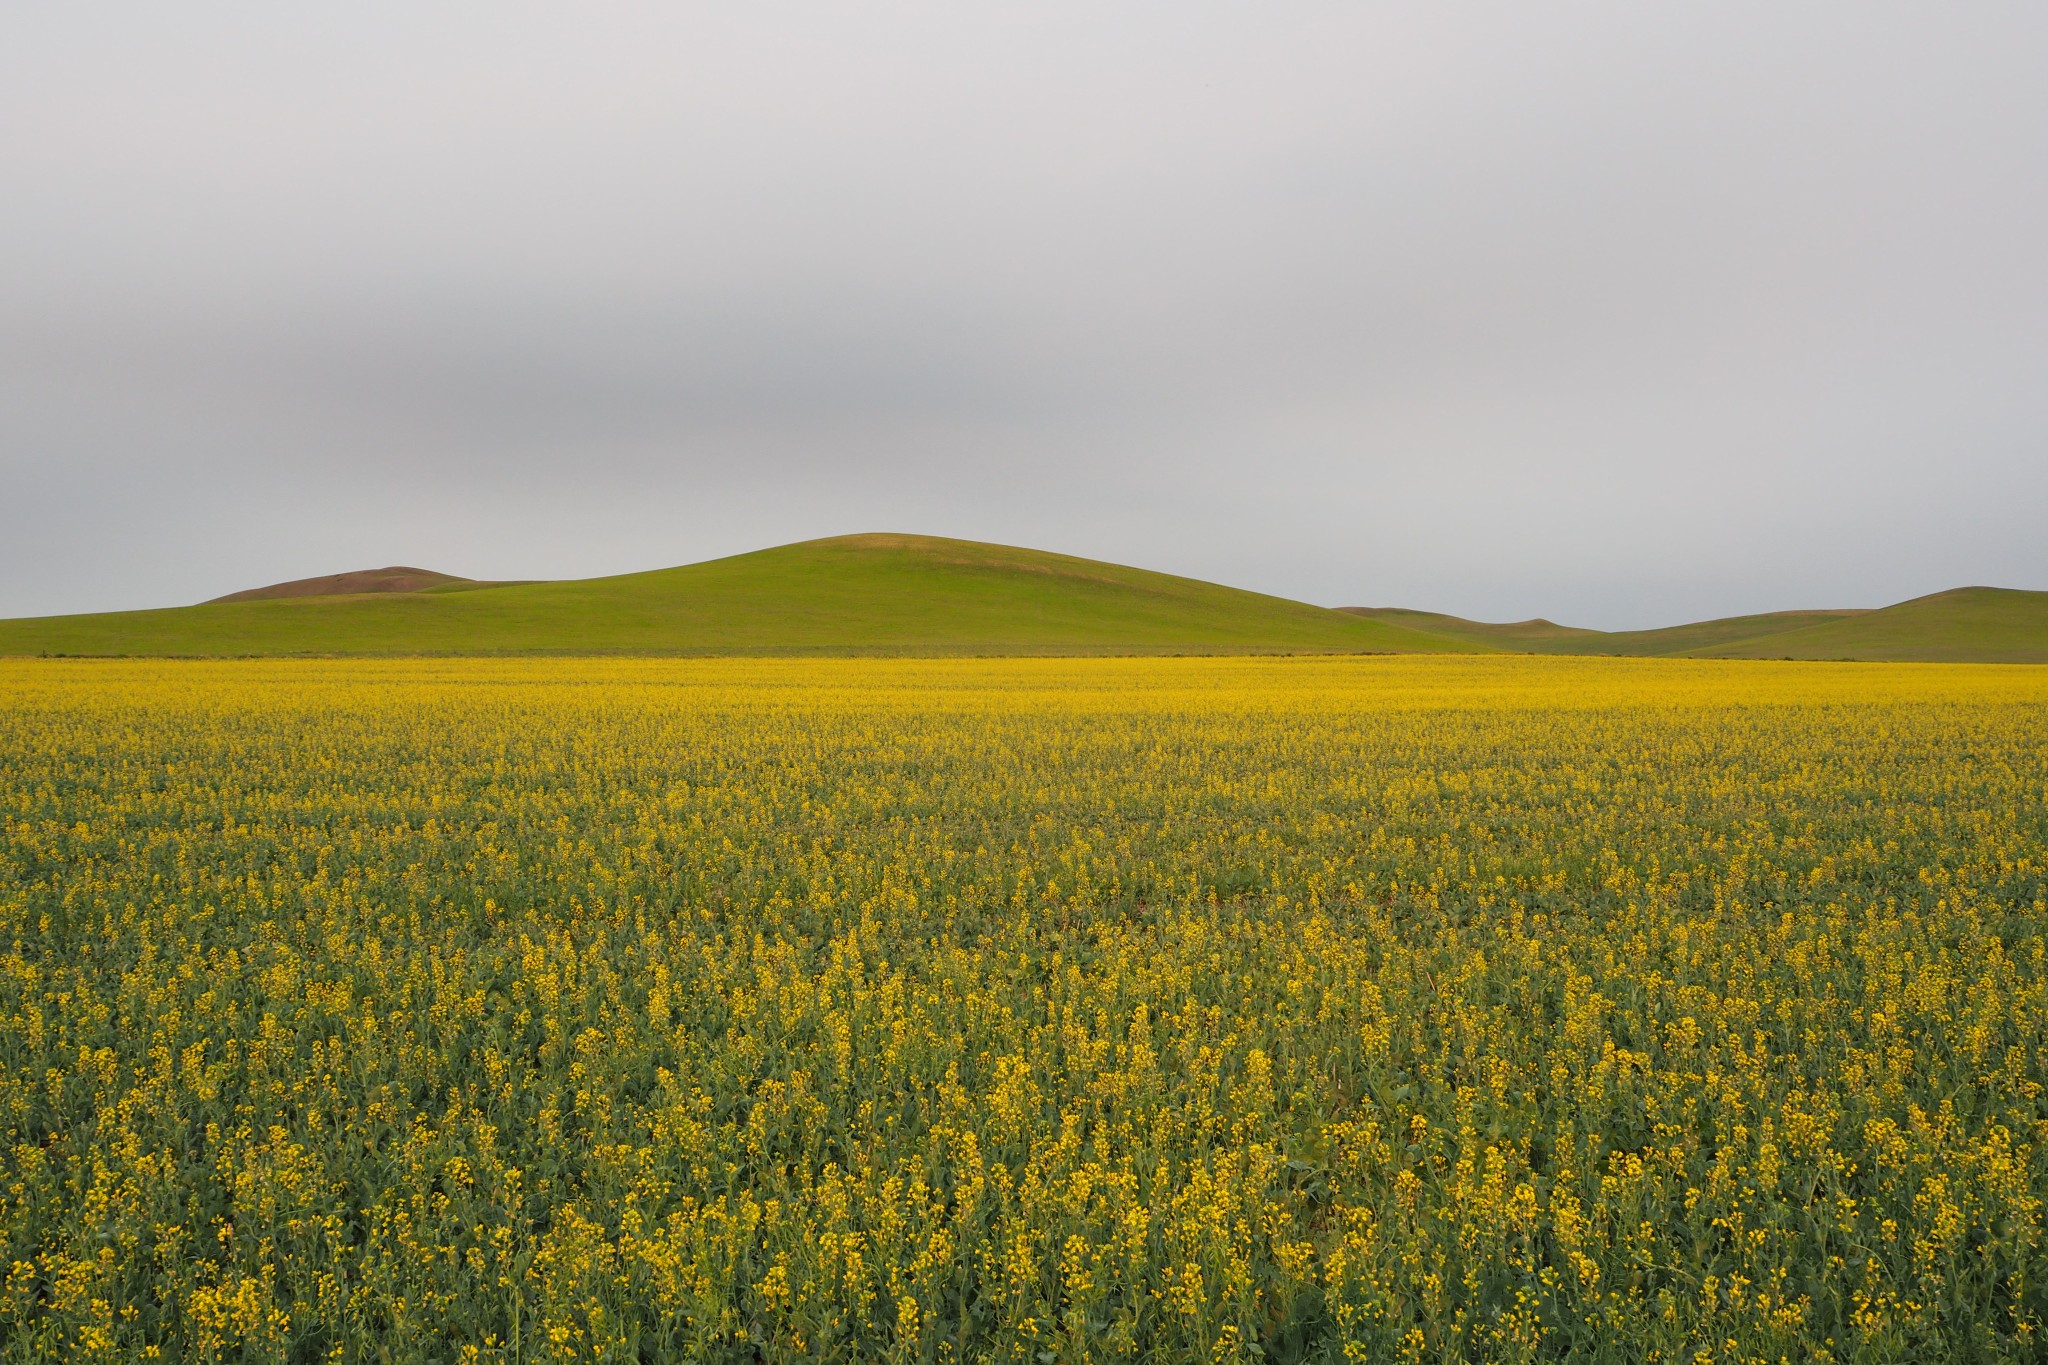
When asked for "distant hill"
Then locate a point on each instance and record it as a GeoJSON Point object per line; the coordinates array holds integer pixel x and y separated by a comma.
{"type": "Point", "coordinates": [911, 595]}
{"type": "Point", "coordinates": [1521, 637]}
{"type": "Point", "coordinates": [874, 594]}
{"type": "Point", "coordinates": [1547, 637]}
{"type": "Point", "coordinates": [1985, 625]}
{"type": "Point", "coordinates": [1991, 625]}
{"type": "Point", "coordinates": [397, 578]}
{"type": "Point", "coordinates": [1703, 637]}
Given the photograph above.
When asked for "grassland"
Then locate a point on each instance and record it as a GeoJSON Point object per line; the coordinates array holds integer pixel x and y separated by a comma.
{"type": "Point", "coordinates": [1997, 625]}
{"type": "Point", "coordinates": [396, 578]}
{"type": "Point", "coordinates": [1964, 625]}
{"type": "Point", "coordinates": [853, 594]}
{"type": "Point", "coordinates": [930, 597]}
{"type": "Point", "coordinates": [1493, 1009]}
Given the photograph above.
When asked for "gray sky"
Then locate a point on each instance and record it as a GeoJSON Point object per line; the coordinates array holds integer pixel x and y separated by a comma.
{"type": "Point", "coordinates": [1622, 314]}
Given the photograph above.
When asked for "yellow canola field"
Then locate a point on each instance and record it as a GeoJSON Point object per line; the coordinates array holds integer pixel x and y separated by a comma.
{"type": "Point", "coordinates": [1038, 1011]}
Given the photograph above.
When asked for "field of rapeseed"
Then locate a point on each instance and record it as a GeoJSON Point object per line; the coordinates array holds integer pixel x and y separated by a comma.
{"type": "Point", "coordinates": [1039, 1011]}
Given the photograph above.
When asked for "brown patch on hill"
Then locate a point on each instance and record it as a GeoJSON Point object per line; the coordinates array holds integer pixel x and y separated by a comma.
{"type": "Point", "coordinates": [396, 578]}
{"type": "Point", "coordinates": [975, 554]}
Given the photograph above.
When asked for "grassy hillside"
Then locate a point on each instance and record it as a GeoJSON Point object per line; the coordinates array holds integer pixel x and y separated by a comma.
{"type": "Point", "coordinates": [1991, 625]}
{"type": "Point", "coordinates": [1522, 637]}
{"type": "Point", "coordinates": [396, 578]}
{"type": "Point", "coordinates": [1704, 637]}
{"type": "Point", "coordinates": [851, 594]}
{"type": "Point", "coordinates": [1985, 625]}
{"type": "Point", "coordinates": [1547, 637]}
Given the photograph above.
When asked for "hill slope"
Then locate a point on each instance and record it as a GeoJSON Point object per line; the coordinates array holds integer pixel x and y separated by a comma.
{"type": "Point", "coordinates": [1703, 637]}
{"type": "Point", "coordinates": [396, 578]}
{"type": "Point", "coordinates": [1525, 637]}
{"type": "Point", "coordinates": [890, 594]}
{"type": "Point", "coordinates": [1990, 625]}
{"type": "Point", "coordinates": [1983, 625]}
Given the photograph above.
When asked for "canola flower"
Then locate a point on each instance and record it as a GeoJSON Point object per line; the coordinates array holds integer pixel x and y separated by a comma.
{"type": "Point", "coordinates": [1028, 1010]}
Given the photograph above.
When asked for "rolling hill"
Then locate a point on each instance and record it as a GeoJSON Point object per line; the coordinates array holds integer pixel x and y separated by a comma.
{"type": "Point", "coordinates": [878, 594]}
{"type": "Point", "coordinates": [1990, 625]}
{"type": "Point", "coordinates": [1516, 637]}
{"type": "Point", "coordinates": [1962, 625]}
{"type": "Point", "coordinates": [1547, 637]}
{"type": "Point", "coordinates": [904, 594]}
{"type": "Point", "coordinates": [396, 578]}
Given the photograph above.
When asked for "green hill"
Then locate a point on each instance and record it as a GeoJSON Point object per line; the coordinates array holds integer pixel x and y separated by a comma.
{"type": "Point", "coordinates": [1988, 625]}
{"type": "Point", "coordinates": [899, 594]}
{"type": "Point", "coordinates": [1963, 625]}
{"type": "Point", "coordinates": [1522, 637]}
{"type": "Point", "coordinates": [883, 594]}
{"type": "Point", "coordinates": [1704, 637]}
{"type": "Point", "coordinates": [396, 578]}
{"type": "Point", "coordinates": [1547, 637]}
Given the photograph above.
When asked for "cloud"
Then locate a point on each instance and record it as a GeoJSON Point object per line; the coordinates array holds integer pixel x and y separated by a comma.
{"type": "Point", "coordinates": [1612, 314]}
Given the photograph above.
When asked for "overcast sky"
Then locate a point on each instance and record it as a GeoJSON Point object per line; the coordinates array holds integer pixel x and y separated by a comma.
{"type": "Point", "coordinates": [1621, 314]}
